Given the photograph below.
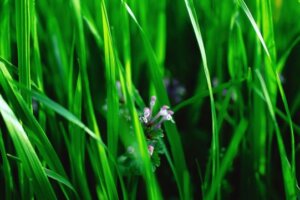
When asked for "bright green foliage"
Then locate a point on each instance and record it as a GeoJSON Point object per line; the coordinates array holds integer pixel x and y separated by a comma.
{"type": "Point", "coordinates": [32, 165]}
{"type": "Point", "coordinates": [76, 77]}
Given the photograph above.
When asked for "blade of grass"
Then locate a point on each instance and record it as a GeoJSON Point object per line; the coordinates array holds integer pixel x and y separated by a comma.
{"type": "Point", "coordinates": [152, 186]}
{"type": "Point", "coordinates": [282, 61]}
{"type": "Point", "coordinates": [279, 112]}
{"type": "Point", "coordinates": [59, 110]}
{"type": "Point", "coordinates": [271, 72]}
{"type": "Point", "coordinates": [237, 57]}
{"type": "Point", "coordinates": [42, 142]}
{"type": "Point", "coordinates": [254, 25]}
{"type": "Point", "coordinates": [112, 95]}
{"type": "Point", "coordinates": [161, 32]}
{"type": "Point", "coordinates": [259, 118]}
{"type": "Point", "coordinates": [106, 174]}
{"type": "Point", "coordinates": [153, 191]}
{"type": "Point", "coordinates": [286, 119]}
{"type": "Point", "coordinates": [81, 48]}
{"type": "Point", "coordinates": [215, 138]}
{"type": "Point", "coordinates": [53, 175]}
{"type": "Point", "coordinates": [77, 145]}
{"type": "Point", "coordinates": [5, 34]}
{"type": "Point", "coordinates": [38, 72]}
{"type": "Point", "coordinates": [27, 155]}
{"type": "Point", "coordinates": [289, 117]}
{"type": "Point", "coordinates": [205, 93]}
{"type": "Point", "coordinates": [228, 158]}
{"type": "Point", "coordinates": [13, 69]}
{"type": "Point", "coordinates": [9, 183]}
{"type": "Point", "coordinates": [23, 10]}
{"type": "Point", "coordinates": [287, 171]}
{"type": "Point", "coordinates": [91, 25]}
{"type": "Point", "coordinates": [171, 130]}
{"type": "Point", "coordinates": [127, 49]}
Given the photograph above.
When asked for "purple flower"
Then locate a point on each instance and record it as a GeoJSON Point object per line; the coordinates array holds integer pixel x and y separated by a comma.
{"type": "Point", "coordinates": [164, 114]}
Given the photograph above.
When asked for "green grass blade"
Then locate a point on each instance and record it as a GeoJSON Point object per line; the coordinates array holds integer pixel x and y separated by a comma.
{"type": "Point", "coordinates": [9, 183]}
{"type": "Point", "coordinates": [38, 70]}
{"type": "Point", "coordinates": [53, 175]}
{"type": "Point", "coordinates": [112, 94]}
{"type": "Point", "coordinates": [27, 155]}
{"type": "Point", "coordinates": [42, 142]}
{"type": "Point", "coordinates": [270, 68]}
{"type": "Point", "coordinates": [205, 93]}
{"type": "Point", "coordinates": [77, 145]}
{"type": "Point", "coordinates": [237, 57]}
{"type": "Point", "coordinates": [254, 25]}
{"type": "Point", "coordinates": [287, 171]}
{"type": "Point", "coordinates": [282, 61]}
{"type": "Point", "coordinates": [230, 154]}
{"type": "Point", "coordinates": [171, 130]}
{"type": "Point", "coordinates": [127, 49]}
{"type": "Point", "coordinates": [23, 10]}
{"type": "Point", "coordinates": [5, 34]}
{"type": "Point", "coordinates": [215, 138]}
{"type": "Point", "coordinates": [61, 111]}
{"type": "Point", "coordinates": [290, 122]}
{"type": "Point", "coordinates": [110, 185]}
{"type": "Point", "coordinates": [81, 48]}
{"type": "Point", "coordinates": [91, 25]}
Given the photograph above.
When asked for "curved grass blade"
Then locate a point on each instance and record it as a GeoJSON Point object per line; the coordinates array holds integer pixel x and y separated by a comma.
{"type": "Point", "coordinates": [6, 14]}
{"type": "Point", "coordinates": [77, 145]}
{"type": "Point", "coordinates": [91, 25]}
{"type": "Point", "coordinates": [152, 186]}
{"type": "Point", "coordinates": [271, 67]}
{"type": "Point", "coordinates": [55, 176]}
{"type": "Point", "coordinates": [9, 65]}
{"type": "Point", "coordinates": [112, 95]}
{"type": "Point", "coordinates": [290, 122]}
{"type": "Point", "coordinates": [205, 93]}
{"type": "Point", "coordinates": [228, 158]}
{"type": "Point", "coordinates": [23, 10]}
{"type": "Point", "coordinates": [287, 171]}
{"type": "Point", "coordinates": [215, 139]}
{"type": "Point", "coordinates": [254, 25]}
{"type": "Point", "coordinates": [61, 111]}
{"type": "Point", "coordinates": [9, 184]}
{"type": "Point", "coordinates": [32, 165]}
{"type": "Point", "coordinates": [284, 57]}
{"type": "Point", "coordinates": [171, 130]}
{"type": "Point", "coordinates": [237, 57]}
{"type": "Point", "coordinates": [106, 175]}
{"type": "Point", "coordinates": [43, 144]}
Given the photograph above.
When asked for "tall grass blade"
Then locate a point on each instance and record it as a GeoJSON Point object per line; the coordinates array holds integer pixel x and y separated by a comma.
{"type": "Point", "coordinates": [287, 171]}
{"type": "Point", "coordinates": [230, 154]}
{"type": "Point", "coordinates": [111, 84]}
{"type": "Point", "coordinates": [171, 130]}
{"type": "Point", "coordinates": [215, 138]}
{"type": "Point", "coordinates": [32, 165]}
{"type": "Point", "coordinates": [23, 10]}
{"type": "Point", "coordinates": [9, 183]}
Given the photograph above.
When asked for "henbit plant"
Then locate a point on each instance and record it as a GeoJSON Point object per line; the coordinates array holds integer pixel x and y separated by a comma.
{"type": "Point", "coordinates": [152, 126]}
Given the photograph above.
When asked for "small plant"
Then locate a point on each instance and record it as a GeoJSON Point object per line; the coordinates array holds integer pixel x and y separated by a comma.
{"type": "Point", "coordinates": [153, 132]}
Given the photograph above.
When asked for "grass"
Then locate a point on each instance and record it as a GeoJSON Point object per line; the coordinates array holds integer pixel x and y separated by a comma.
{"type": "Point", "coordinates": [75, 77]}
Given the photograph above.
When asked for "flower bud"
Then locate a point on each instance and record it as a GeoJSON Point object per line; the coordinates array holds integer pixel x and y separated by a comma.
{"type": "Point", "coordinates": [150, 149]}
{"type": "Point", "coordinates": [147, 112]}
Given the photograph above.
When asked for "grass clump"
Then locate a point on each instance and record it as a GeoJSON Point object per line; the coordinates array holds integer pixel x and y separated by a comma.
{"type": "Point", "coordinates": [222, 79]}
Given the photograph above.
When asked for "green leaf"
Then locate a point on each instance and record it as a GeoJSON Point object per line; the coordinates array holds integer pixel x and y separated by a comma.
{"type": "Point", "coordinates": [32, 165]}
